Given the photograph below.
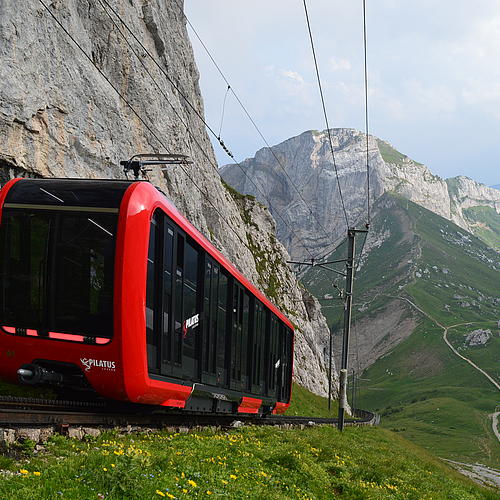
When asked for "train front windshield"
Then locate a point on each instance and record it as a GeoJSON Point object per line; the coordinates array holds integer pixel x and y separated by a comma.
{"type": "Point", "coordinates": [56, 271]}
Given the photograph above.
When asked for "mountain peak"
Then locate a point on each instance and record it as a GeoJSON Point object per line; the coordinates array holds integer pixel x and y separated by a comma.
{"type": "Point", "coordinates": [297, 180]}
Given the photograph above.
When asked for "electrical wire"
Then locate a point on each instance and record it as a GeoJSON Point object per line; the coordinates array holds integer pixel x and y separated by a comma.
{"type": "Point", "coordinates": [140, 118]}
{"type": "Point", "coordinates": [366, 115]}
{"type": "Point", "coordinates": [167, 76]}
{"type": "Point", "coordinates": [325, 113]}
{"type": "Point", "coordinates": [205, 194]}
{"type": "Point", "coordinates": [252, 121]}
{"type": "Point", "coordinates": [223, 110]}
{"type": "Point", "coordinates": [276, 212]}
{"type": "Point", "coordinates": [162, 92]}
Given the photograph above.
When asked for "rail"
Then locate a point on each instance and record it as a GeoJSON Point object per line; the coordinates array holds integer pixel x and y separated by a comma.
{"type": "Point", "coordinates": [61, 415]}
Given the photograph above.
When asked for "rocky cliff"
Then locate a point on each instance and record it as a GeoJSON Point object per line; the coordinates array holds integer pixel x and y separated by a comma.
{"type": "Point", "coordinates": [302, 169]}
{"type": "Point", "coordinates": [61, 115]}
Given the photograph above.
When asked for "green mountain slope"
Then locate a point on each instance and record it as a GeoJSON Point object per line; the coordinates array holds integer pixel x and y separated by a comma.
{"type": "Point", "coordinates": [486, 224]}
{"type": "Point", "coordinates": [422, 273]}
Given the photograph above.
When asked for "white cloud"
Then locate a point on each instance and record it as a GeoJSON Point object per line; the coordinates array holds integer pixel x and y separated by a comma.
{"type": "Point", "coordinates": [434, 97]}
{"type": "Point", "coordinates": [339, 64]}
{"type": "Point", "coordinates": [293, 75]}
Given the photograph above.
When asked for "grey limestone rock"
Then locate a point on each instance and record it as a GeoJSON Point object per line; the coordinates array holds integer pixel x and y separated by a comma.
{"type": "Point", "coordinates": [477, 337]}
{"type": "Point", "coordinates": [302, 169]}
{"type": "Point", "coordinates": [61, 117]}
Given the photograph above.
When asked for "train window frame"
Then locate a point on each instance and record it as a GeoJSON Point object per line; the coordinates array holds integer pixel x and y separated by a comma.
{"type": "Point", "coordinates": [99, 327]}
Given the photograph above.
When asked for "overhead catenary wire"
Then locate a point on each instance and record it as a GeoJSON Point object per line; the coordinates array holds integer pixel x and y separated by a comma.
{"type": "Point", "coordinates": [162, 92]}
{"type": "Point", "coordinates": [276, 212]}
{"type": "Point", "coordinates": [324, 112]}
{"type": "Point", "coordinates": [252, 121]}
{"type": "Point", "coordinates": [223, 110]}
{"type": "Point", "coordinates": [160, 142]}
{"type": "Point", "coordinates": [366, 115]}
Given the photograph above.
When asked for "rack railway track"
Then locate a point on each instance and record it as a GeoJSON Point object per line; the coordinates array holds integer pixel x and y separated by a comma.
{"type": "Point", "coordinates": [19, 412]}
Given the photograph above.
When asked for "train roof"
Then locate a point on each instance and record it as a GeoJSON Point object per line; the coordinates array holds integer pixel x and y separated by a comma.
{"type": "Point", "coordinates": [68, 192]}
{"type": "Point", "coordinates": [182, 221]}
{"type": "Point", "coordinates": [110, 194]}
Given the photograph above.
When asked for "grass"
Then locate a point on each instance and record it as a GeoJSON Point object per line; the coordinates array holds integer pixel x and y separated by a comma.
{"type": "Point", "coordinates": [391, 155]}
{"type": "Point", "coordinates": [8, 389]}
{"type": "Point", "coordinates": [487, 356]}
{"type": "Point", "coordinates": [315, 463]}
{"type": "Point", "coordinates": [433, 398]}
{"type": "Point", "coordinates": [450, 274]}
{"type": "Point", "coordinates": [485, 223]}
{"type": "Point", "coordinates": [305, 403]}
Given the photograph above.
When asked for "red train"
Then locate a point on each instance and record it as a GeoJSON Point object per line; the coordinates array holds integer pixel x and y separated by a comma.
{"type": "Point", "coordinates": [105, 285]}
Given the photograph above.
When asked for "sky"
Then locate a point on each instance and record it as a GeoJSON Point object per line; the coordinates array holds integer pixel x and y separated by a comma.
{"type": "Point", "coordinates": [433, 75]}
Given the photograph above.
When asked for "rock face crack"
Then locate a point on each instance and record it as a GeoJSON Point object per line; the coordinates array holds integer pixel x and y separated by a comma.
{"type": "Point", "coordinates": [152, 27]}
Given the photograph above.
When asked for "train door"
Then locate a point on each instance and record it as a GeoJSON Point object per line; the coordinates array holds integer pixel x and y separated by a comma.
{"type": "Point", "coordinates": [191, 312]}
{"type": "Point", "coordinates": [222, 330]}
{"type": "Point", "coordinates": [273, 359]}
{"type": "Point", "coordinates": [286, 364]}
{"type": "Point", "coordinates": [239, 338]}
{"type": "Point", "coordinates": [236, 327]}
{"type": "Point", "coordinates": [257, 348]}
{"type": "Point", "coordinates": [280, 362]}
{"type": "Point", "coordinates": [214, 324]}
{"type": "Point", "coordinates": [166, 293]}
{"type": "Point", "coordinates": [209, 324]}
{"type": "Point", "coordinates": [172, 301]}
{"type": "Point", "coordinates": [153, 317]}
{"type": "Point", "coordinates": [159, 295]}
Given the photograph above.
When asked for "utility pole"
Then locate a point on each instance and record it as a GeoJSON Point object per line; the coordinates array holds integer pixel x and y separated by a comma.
{"type": "Point", "coordinates": [349, 276]}
{"type": "Point", "coordinates": [330, 354]}
{"type": "Point", "coordinates": [350, 265]}
{"type": "Point", "coordinates": [353, 389]}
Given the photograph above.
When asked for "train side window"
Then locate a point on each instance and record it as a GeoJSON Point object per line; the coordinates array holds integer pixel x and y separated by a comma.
{"type": "Point", "coordinates": [24, 260]}
{"type": "Point", "coordinates": [211, 334]}
{"type": "Point", "coordinates": [208, 300]}
{"type": "Point", "coordinates": [259, 333]}
{"type": "Point", "coordinates": [191, 317]}
{"type": "Point", "coordinates": [179, 302]}
{"type": "Point", "coordinates": [245, 354]}
{"type": "Point", "coordinates": [150, 297]}
{"type": "Point", "coordinates": [235, 333]}
{"type": "Point", "coordinates": [273, 361]}
{"type": "Point", "coordinates": [287, 363]}
{"type": "Point", "coordinates": [84, 264]}
{"type": "Point", "coordinates": [222, 328]}
{"type": "Point", "coordinates": [168, 250]}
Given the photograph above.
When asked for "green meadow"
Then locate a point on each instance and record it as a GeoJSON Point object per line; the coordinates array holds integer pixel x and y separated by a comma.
{"type": "Point", "coordinates": [251, 462]}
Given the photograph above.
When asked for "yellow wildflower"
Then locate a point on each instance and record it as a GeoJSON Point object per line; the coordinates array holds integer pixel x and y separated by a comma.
{"type": "Point", "coordinates": [192, 483]}
{"type": "Point", "coordinates": [158, 492]}
{"type": "Point", "coordinates": [232, 476]}
{"type": "Point", "coordinates": [184, 490]}
{"type": "Point", "coordinates": [224, 482]}
{"type": "Point", "coordinates": [169, 495]}
{"type": "Point", "coordinates": [113, 465]}
{"type": "Point", "coordinates": [23, 471]}
{"type": "Point", "coordinates": [104, 469]}
{"type": "Point", "coordinates": [36, 473]}
{"type": "Point", "coordinates": [209, 492]}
